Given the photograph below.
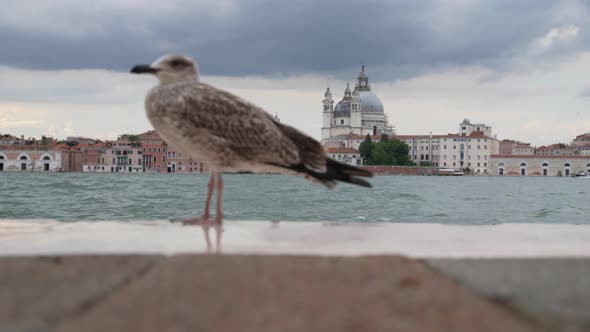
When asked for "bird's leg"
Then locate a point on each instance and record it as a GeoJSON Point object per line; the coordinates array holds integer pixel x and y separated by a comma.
{"type": "Point", "coordinates": [219, 215]}
{"type": "Point", "coordinates": [205, 217]}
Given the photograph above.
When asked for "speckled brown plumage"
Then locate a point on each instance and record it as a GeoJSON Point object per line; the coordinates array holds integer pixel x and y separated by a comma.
{"type": "Point", "coordinates": [230, 133]}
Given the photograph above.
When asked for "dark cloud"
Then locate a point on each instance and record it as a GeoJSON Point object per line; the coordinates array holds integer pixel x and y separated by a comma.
{"type": "Point", "coordinates": [264, 37]}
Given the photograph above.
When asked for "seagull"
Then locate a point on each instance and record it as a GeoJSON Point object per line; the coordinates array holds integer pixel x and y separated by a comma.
{"type": "Point", "coordinates": [230, 133]}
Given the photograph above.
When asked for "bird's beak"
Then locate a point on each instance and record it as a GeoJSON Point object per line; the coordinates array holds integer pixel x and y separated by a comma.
{"type": "Point", "coordinates": [144, 69]}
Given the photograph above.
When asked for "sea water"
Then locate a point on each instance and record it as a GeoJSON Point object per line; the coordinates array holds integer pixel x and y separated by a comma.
{"type": "Point", "coordinates": [416, 199]}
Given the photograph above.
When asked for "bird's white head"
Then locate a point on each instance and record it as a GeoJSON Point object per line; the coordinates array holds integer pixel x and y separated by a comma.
{"type": "Point", "coordinates": [171, 69]}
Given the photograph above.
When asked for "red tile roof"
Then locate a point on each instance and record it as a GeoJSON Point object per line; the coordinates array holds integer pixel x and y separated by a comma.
{"type": "Point", "coordinates": [342, 150]}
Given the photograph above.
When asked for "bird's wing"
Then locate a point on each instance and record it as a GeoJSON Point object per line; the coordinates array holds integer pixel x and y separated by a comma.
{"type": "Point", "coordinates": [241, 126]}
{"type": "Point", "coordinates": [311, 152]}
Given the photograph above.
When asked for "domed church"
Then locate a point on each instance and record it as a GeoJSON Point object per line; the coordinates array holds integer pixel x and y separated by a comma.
{"type": "Point", "coordinates": [360, 112]}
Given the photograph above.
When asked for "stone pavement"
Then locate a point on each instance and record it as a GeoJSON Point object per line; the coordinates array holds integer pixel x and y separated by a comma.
{"type": "Point", "coordinates": [239, 293]}
{"type": "Point", "coordinates": [554, 293]}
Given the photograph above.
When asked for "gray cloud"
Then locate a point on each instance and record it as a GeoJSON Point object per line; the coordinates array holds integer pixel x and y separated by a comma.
{"type": "Point", "coordinates": [269, 37]}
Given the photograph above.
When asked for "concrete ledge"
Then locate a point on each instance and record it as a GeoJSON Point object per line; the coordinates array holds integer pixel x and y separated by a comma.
{"type": "Point", "coordinates": [28, 237]}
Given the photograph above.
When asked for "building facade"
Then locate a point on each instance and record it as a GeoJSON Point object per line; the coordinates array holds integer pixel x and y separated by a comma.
{"type": "Point", "coordinates": [536, 165]}
{"type": "Point", "coordinates": [30, 159]}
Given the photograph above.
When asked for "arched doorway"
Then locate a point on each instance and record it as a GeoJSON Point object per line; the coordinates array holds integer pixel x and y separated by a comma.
{"type": "Point", "coordinates": [545, 168]}
{"type": "Point", "coordinates": [501, 168]}
{"type": "Point", "coordinates": [567, 169]}
{"type": "Point", "coordinates": [523, 168]}
{"type": "Point", "coordinates": [23, 164]}
{"type": "Point", "coordinates": [587, 167]}
{"type": "Point", "coordinates": [1, 163]}
{"type": "Point", "coordinates": [46, 161]}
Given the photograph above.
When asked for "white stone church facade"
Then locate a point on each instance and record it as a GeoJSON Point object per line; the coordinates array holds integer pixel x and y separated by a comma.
{"type": "Point", "coordinates": [360, 112]}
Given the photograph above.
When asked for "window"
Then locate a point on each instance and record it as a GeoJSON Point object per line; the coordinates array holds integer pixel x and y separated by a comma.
{"type": "Point", "coordinates": [342, 121]}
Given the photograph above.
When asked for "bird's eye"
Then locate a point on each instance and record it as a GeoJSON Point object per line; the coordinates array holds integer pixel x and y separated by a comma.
{"type": "Point", "coordinates": [177, 63]}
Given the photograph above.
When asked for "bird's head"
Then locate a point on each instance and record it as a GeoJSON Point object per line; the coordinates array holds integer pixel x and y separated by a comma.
{"type": "Point", "coordinates": [170, 69]}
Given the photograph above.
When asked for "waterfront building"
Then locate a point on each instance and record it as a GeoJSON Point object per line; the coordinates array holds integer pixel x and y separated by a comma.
{"type": "Point", "coordinates": [40, 158]}
{"type": "Point", "coordinates": [8, 139]}
{"type": "Point", "coordinates": [121, 155]}
{"type": "Point", "coordinates": [537, 165]}
{"type": "Point", "coordinates": [470, 148]}
{"type": "Point", "coordinates": [509, 147]}
{"type": "Point", "coordinates": [30, 158]}
{"type": "Point", "coordinates": [154, 151]}
{"type": "Point", "coordinates": [581, 141]}
{"type": "Point", "coordinates": [559, 149]}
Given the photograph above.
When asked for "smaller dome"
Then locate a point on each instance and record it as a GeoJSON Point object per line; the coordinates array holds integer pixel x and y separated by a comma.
{"type": "Point", "coordinates": [466, 121]}
{"type": "Point", "coordinates": [342, 109]}
{"type": "Point", "coordinates": [328, 93]}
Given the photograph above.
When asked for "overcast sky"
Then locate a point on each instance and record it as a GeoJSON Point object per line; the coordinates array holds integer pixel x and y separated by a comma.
{"type": "Point", "coordinates": [521, 66]}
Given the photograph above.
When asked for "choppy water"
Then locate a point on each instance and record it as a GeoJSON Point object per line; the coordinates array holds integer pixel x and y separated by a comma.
{"type": "Point", "coordinates": [467, 200]}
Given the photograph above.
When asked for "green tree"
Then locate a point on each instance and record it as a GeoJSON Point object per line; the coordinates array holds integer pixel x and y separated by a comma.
{"type": "Point", "coordinates": [132, 137]}
{"type": "Point", "coordinates": [366, 150]}
{"type": "Point", "coordinates": [381, 156]}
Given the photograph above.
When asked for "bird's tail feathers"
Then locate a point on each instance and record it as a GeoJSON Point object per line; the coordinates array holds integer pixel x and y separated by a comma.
{"type": "Point", "coordinates": [335, 172]}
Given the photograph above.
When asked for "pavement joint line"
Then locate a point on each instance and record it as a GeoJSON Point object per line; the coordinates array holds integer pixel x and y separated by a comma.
{"type": "Point", "coordinates": [500, 303]}
{"type": "Point", "coordinates": [88, 305]}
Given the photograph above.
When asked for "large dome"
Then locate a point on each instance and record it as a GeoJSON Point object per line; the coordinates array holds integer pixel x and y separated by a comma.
{"type": "Point", "coordinates": [370, 103]}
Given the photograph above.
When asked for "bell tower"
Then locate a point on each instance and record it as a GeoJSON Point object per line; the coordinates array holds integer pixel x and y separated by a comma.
{"type": "Point", "coordinates": [355, 111]}
{"type": "Point", "coordinates": [328, 113]}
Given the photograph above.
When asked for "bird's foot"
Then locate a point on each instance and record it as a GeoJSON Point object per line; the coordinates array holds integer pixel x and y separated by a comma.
{"type": "Point", "coordinates": [196, 221]}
